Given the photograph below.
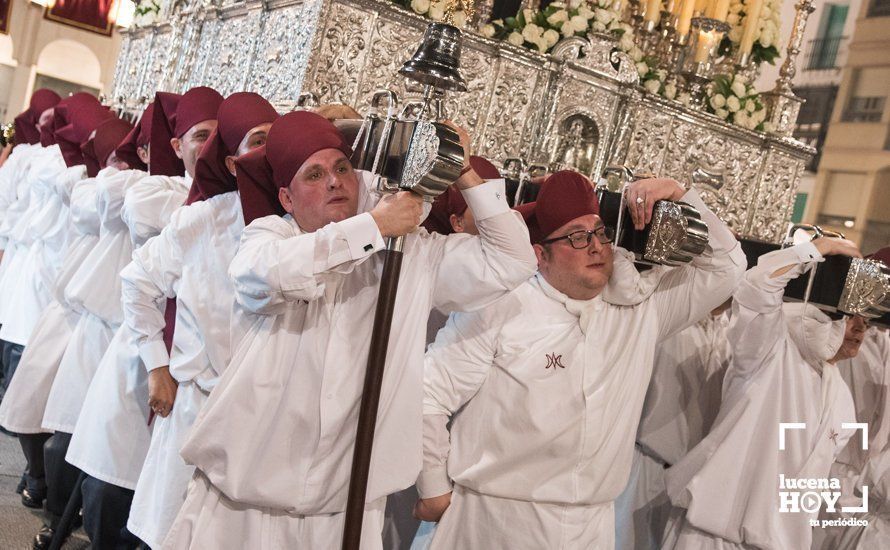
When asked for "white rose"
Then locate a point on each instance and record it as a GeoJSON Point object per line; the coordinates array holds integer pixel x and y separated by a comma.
{"type": "Point", "coordinates": [529, 15]}
{"type": "Point", "coordinates": [579, 23]}
{"type": "Point", "coordinates": [636, 54]}
{"type": "Point", "coordinates": [585, 12]}
{"type": "Point", "coordinates": [684, 99]}
{"type": "Point", "coordinates": [732, 19]}
{"type": "Point", "coordinates": [626, 42]}
{"type": "Point", "coordinates": [652, 85]}
{"type": "Point", "coordinates": [662, 74]}
{"type": "Point", "coordinates": [759, 116]}
{"type": "Point", "coordinates": [420, 6]}
{"type": "Point", "coordinates": [437, 12]}
{"type": "Point", "coordinates": [574, 4]}
{"type": "Point", "coordinates": [542, 46]}
{"type": "Point", "coordinates": [459, 19]}
{"type": "Point", "coordinates": [558, 17]}
{"type": "Point", "coordinates": [738, 88]}
{"type": "Point", "coordinates": [532, 33]}
{"type": "Point", "coordinates": [766, 39]}
{"type": "Point", "coordinates": [670, 91]}
{"type": "Point", "coordinates": [739, 79]}
{"type": "Point", "coordinates": [721, 113]}
{"type": "Point", "coordinates": [740, 118]}
{"type": "Point", "coordinates": [515, 38]}
{"type": "Point", "coordinates": [732, 103]}
{"type": "Point", "coordinates": [488, 30]}
{"type": "Point", "coordinates": [604, 15]}
{"type": "Point", "coordinates": [598, 26]}
{"type": "Point", "coordinates": [718, 101]}
{"type": "Point", "coordinates": [765, 12]}
{"type": "Point", "coordinates": [735, 8]}
{"type": "Point", "coordinates": [551, 37]}
{"type": "Point", "coordinates": [557, 5]}
{"type": "Point", "coordinates": [642, 68]}
{"type": "Point", "coordinates": [750, 106]}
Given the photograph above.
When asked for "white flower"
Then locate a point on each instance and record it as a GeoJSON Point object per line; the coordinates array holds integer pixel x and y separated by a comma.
{"type": "Point", "coordinates": [532, 33]}
{"type": "Point", "coordinates": [642, 68]}
{"type": "Point", "coordinates": [574, 25]}
{"type": "Point", "coordinates": [769, 127]}
{"type": "Point", "coordinates": [586, 12]}
{"type": "Point", "coordinates": [661, 74]}
{"type": "Point", "coordinates": [735, 8]}
{"type": "Point", "coordinates": [718, 101]}
{"type": "Point", "coordinates": [684, 99]}
{"type": "Point", "coordinates": [740, 118]}
{"type": "Point", "coordinates": [420, 6]}
{"type": "Point", "coordinates": [488, 30]}
{"type": "Point", "coordinates": [626, 42]}
{"type": "Point", "coordinates": [759, 116]}
{"type": "Point", "coordinates": [515, 38]}
{"type": "Point", "coordinates": [732, 19]}
{"type": "Point", "coordinates": [598, 26]}
{"type": "Point", "coordinates": [732, 103]}
{"type": "Point", "coordinates": [529, 15]}
{"type": "Point", "coordinates": [459, 19]}
{"type": "Point", "coordinates": [670, 90]}
{"type": "Point", "coordinates": [551, 37]}
{"type": "Point", "coordinates": [735, 34]}
{"type": "Point", "coordinates": [636, 54]}
{"type": "Point", "coordinates": [542, 46]}
{"type": "Point", "coordinates": [559, 16]}
{"type": "Point", "coordinates": [557, 5]}
{"type": "Point", "coordinates": [652, 85]}
{"type": "Point", "coordinates": [766, 38]}
{"type": "Point", "coordinates": [604, 16]}
{"type": "Point", "coordinates": [750, 106]}
{"type": "Point", "coordinates": [722, 113]}
{"type": "Point", "coordinates": [437, 11]}
{"type": "Point", "coordinates": [738, 79]}
{"type": "Point", "coordinates": [574, 4]}
{"type": "Point", "coordinates": [738, 88]}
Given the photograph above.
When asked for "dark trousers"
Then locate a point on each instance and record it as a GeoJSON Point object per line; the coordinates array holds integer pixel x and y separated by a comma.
{"type": "Point", "coordinates": [61, 477]}
{"type": "Point", "coordinates": [35, 473]}
{"type": "Point", "coordinates": [106, 508]}
{"type": "Point", "coordinates": [11, 355]}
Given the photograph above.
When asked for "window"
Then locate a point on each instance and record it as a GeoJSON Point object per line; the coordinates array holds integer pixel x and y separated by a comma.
{"type": "Point", "coordinates": [864, 109]}
{"type": "Point", "coordinates": [823, 51]}
{"type": "Point", "coordinates": [879, 8]}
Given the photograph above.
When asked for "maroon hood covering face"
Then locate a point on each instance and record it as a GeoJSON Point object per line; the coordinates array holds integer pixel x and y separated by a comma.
{"type": "Point", "coordinates": [97, 149]}
{"type": "Point", "coordinates": [292, 139]}
{"type": "Point", "coordinates": [26, 129]}
{"type": "Point", "coordinates": [238, 114]}
{"type": "Point", "coordinates": [138, 137]}
{"type": "Point", "coordinates": [174, 115]}
{"type": "Point", "coordinates": [74, 119]}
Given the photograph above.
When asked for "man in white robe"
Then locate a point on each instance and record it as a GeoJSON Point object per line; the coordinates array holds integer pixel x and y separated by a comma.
{"type": "Point", "coordinates": [550, 380]}
{"type": "Point", "coordinates": [783, 371]}
{"type": "Point", "coordinates": [681, 404]}
{"type": "Point", "coordinates": [273, 444]}
{"type": "Point", "coordinates": [189, 260]}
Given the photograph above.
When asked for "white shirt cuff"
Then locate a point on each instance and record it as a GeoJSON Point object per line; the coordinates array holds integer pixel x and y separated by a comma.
{"type": "Point", "coordinates": [362, 235]}
{"type": "Point", "coordinates": [433, 482]}
{"type": "Point", "coordinates": [807, 252]}
{"type": "Point", "coordinates": [487, 200]}
{"type": "Point", "coordinates": [154, 355]}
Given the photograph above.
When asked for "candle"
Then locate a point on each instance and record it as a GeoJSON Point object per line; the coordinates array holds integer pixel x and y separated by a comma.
{"type": "Point", "coordinates": [752, 21]}
{"type": "Point", "coordinates": [701, 6]}
{"type": "Point", "coordinates": [703, 46]}
{"type": "Point", "coordinates": [653, 11]}
{"type": "Point", "coordinates": [685, 18]}
{"type": "Point", "coordinates": [672, 6]}
{"type": "Point", "coordinates": [719, 9]}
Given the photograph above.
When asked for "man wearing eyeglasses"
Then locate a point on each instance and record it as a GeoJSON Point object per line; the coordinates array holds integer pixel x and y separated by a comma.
{"type": "Point", "coordinates": [544, 388]}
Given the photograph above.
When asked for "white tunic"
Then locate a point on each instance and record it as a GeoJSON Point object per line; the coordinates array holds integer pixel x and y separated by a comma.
{"type": "Point", "coordinates": [280, 435]}
{"type": "Point", "coordinates": [11, 180]}
{"type": "Point", "coordinates": [94, 291]}
{"type": "Point", "coordinates": [112, 434]}
{"type": "Point", "coordinates": [868, 376]}
{"type": "Point", "coordinates": [189, 260]}
{"type": "Point", "coordinates": [42, 234]}
{"type": "Point", "coordinates": [729, 483]}
{"type": "Point", "coordinates": [550, 391]}
{"type": "Point", "coordinates": [24, 404]}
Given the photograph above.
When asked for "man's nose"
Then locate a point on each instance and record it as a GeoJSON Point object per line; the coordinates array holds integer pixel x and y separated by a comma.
{"type": "Point", "coordinates": [595, 245]}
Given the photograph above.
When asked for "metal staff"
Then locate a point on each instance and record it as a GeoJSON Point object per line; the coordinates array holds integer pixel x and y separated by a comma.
{"type": "Point", "coordinates": [407, 144]}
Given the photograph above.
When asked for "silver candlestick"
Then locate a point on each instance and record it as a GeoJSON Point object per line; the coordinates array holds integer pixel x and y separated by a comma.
{"type": "Point", "coordinates": [783, 104]}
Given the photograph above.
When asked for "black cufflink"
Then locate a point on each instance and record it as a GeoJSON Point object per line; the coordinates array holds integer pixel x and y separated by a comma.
{"type": "Point", "coordinates": [369, 247]}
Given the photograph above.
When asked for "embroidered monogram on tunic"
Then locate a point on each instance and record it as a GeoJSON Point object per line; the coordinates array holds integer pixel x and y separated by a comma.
{"type": "Point", "coordinates": [554, 361]}
{"type": "Point", "coordinates": [832, 435]}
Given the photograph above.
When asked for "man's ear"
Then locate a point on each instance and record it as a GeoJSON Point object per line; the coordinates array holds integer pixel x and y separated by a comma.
{"type": "Point", "coordinates": [285, 200]}
{"type": "Point", "coordinates": [457, 223]}
{"type": "Point", "coordinates": [540, 253]}
{"type": "Point", "coordinates": [176, 143]}
{"type": "Point", "coordinates": [142, 153]}
{"type": "Point", "coordinates": [230, 164]}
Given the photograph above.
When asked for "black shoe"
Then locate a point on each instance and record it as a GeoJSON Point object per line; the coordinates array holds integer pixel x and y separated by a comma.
{"type": "Point", "coordinates": [22, 483]}
{"type": "Point", "coordinates": [32, 499]}
{"type": "Point", "coordinates": [43, 539]}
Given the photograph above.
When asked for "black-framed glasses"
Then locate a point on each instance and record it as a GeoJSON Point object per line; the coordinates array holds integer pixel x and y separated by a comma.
{"type": "Point", "coordinates": [581, 239]}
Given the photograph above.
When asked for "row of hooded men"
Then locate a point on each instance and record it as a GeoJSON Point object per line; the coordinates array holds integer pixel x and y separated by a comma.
{"type": "Point", "coordinates": [241, 319]}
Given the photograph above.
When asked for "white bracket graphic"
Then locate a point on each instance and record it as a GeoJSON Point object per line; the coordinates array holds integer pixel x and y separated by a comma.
{"type": "Point", "coordinates": [788, 426]}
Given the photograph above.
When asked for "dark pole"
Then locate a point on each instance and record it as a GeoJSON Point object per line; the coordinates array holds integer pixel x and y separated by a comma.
{"type": "Point", "coordinates": [367, 416]}
{"type": "Point", "coordinates": [63, 528]}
